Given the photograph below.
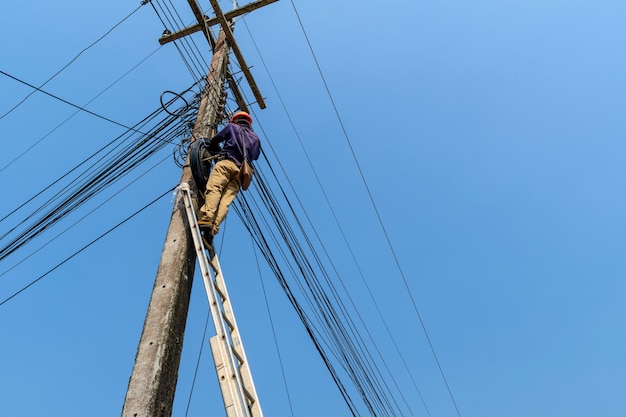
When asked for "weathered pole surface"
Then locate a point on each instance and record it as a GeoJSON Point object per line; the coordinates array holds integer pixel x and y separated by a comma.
{"type": "Point", "coordinates": [153, 380]}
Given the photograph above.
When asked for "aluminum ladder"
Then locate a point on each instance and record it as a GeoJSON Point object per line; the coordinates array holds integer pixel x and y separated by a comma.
{"type": "Point", "coordinates": [231, 365]}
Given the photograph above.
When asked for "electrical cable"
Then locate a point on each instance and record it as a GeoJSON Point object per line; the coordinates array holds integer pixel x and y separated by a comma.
{"type": "Point", "coordinates": [262, 243]}
{"type": "Point", "coordinates": [72, 60]}
{"type": "Point", "coordinates": [103, 174]}
{"type": "Point", "coordinates": [77, 111]}
{"type": "Point", "coordinates": [195, 373]}
{"type": "Point", "coordinates": [64, 101]}
{"type": "Point", "coordinates": [49, 186]}
{"type": "Point", "coordinates": [370, 338]}
{"type": "Point", "coordinates": [409, 292]}
{"type": "Point", "coordinates": [344, 237]}
{"type": "Point", "coordinates": [81, 219]}
{"type": "Point", "coordinates": [185, 47]}
{"type": "Point", "coordinates": [340, 336]}
{"type": "Point", "coordinates": [84, 247]}
{"type": "Point", "coordinates": [119, 140]}
{"type": "Point", "coordinates": [276, 344]}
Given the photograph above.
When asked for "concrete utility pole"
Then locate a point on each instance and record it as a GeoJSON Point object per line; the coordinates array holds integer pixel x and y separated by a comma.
{"type": "Point", "coordinates": [153, 380]}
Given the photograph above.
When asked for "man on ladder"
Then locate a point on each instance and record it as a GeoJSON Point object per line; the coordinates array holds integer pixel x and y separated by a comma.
{"type": "Point", "coordinates": [239, 143]}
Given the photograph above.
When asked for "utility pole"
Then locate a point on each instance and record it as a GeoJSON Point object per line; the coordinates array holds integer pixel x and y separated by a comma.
{"type": "Point", "coordinates": [154, 376]}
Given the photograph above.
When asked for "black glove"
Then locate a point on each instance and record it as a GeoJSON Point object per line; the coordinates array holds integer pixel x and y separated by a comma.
{"type": "Point", "coordinates": [213, 147]}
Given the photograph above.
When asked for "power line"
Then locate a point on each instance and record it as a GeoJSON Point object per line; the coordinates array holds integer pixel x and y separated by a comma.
{"type": "Point", "coordinates": [103, 172]}
{"type": "Point", "coordinates": [77, 111]}
{"type": "Point", "coordinates": [350, 354]}
{"type": "Point", "coordinates": [81, 108]}
{"type": "Point", "coordinates": [345, 239]}
{"type": "Point", "coordinates": [348, 350]}
{"type": "Point", "coordinates": [269, 314]}
{"type": "Point", "coordinates": [195, 373]}
{"type": "Point", "coordinates": [80, 220]}
{"type": "Point", "coordinates": [186, 47]}
{"type": "Point", "coordinates": [345, 133]}
{"type": "Point", "coordinates": [340, 334]}
{"type": "Point", "coordinates": [72, 60]}
{"type": "Point", "coordinates": [83, 248]}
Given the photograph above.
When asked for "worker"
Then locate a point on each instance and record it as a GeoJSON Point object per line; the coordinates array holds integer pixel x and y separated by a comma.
{"type": "Point", "coordinates": [223, 183]}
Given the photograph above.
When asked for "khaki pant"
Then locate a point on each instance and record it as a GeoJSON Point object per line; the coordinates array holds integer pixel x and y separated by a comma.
{"type": "Point", "coordinates": [221, 189]}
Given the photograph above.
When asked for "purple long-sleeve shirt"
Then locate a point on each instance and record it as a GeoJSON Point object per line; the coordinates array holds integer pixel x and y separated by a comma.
{"type": "Point", "coordinates": [231, 135]}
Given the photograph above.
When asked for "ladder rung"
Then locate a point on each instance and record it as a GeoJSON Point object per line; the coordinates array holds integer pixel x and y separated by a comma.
{"type": "Point", "coordinates": [238, 355]}
{"type": "Point", "coordinates": [249, 395]}
{"type": "Point", "coordinates": [227, 320]}
{"type": "Point", "coordinates": [220, 292]}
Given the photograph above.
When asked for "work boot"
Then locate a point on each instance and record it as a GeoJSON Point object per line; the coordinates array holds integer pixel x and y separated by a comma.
{"type": "Point", "coordinates": [205, 224]}
{"type": "Point", "coordinates": [207, 237]}
{"type": "Point", "coordinates": [206, 230]}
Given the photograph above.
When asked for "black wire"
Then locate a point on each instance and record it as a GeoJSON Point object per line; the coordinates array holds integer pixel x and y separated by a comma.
{"type": "Point", "coordinates": [84, 247]}
{"type": "Point", "coordinates": [276, 344]}
{"type": "Point", "coordinates": [102, 173]}
{"type": "Point", "coordinates": [77, 111]}
{"type": "Point", "coordinates": [49, 186]}
{"type": "Point", "coordinates": [64, 101]}
{"type": "Point", "coordinates": [369, 383]}
{"type": "Point", "coordinates": [189, 59]}
{"type": "Point", "coordinates": [262, 244]}
{"type": "Point", "coordinates": [361, 274]}
{"type": "Point", "coordinates": [82, 218]}
{"type": "Point", "coordinates": [354, 336]}
{"type": "Point", "coordinates": [409, 292]}
{"type": "Point", "coordinates": [118, 141]}
{"type": "Point", "coordinates": [195, 374]}
{"type": "Point", "coordinates": [71, 62]}
{"type": "Point", "coordinates": [365, 384]}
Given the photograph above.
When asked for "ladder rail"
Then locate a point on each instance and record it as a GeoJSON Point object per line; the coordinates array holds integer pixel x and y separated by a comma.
{"type": "Point", "coordinates": [235, 394]}
{"type": "Point", "coordinates": [238, 350]}
{"type": "Point", "coordinates": [239, 385]}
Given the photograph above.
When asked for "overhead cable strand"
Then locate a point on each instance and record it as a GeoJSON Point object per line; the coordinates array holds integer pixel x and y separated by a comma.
{"type": "Point", "coordinates": [357, 366]}
{"type": "Point", "coordinates": [345, 239]}
{"type": "Point", "coordinates": [354, 365]}
{"type": "Point", "coordinates": [58, 235]}
{"type": "Point", "coordinates": [76, 112]}
{"type": "Point", "coordinates": [432, 348]}
{"type": "Point", "coordinates": [251, 223]}
{"type": "Point", "coordinates": [346, 351]}
{"type": "Point", "coordinates": [359, 346]}
{"type": "Point", "coordinates": [64, 101]}
{"type": "Point", "coordinates": [195, 373]}
{"type": "Point", "coordinates": [79, 196]}
{"type": "Point", "coordinates": [85, 247]}
{"type": "Point", "coordinates": [72, 61]}
{"type": "Point", "coordinates": [300, 311]}
{"type": "Point", "coordinates": [119, 140]}
{"type": "Point", "coordinates": [103, 174]}
{"type": "Point", "coordinates": [276, 344]}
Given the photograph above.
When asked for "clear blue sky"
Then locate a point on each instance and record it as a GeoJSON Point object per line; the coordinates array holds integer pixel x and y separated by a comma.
{"type": "Point", "coordinates": [490, 136]}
